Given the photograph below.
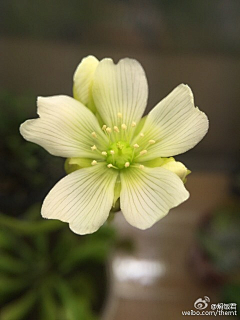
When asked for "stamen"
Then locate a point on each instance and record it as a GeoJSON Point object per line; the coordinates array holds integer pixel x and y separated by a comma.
{"type": "Point", "coordinates": [143, 152]}
{"type": "Point", "coordinates": [112, 151]}
{"type": "Point", "coordinates": [134, 124]}
{"type": "Point", "coordinates": [115, 128]}
{"type": "Point", "coordinates": [104, 153]}
{"type": "Point", "coordinates": [141, 166]}
{"type": "Point", "coordinates": [141, 134]}
{"type": "Point", "coordinates": [94, 148]}
{"type": "Point", "coordinates": [104, 127]}
{"type": "Point", "coordinates": [151, 141]}
{"type": "Point", "coordinates": [135, 146]}
{"type": "Point", "coordinates": [94, 162]}
{"type": "Point", "coordinates": [94, 135]}
{"type": "Point", "coordinates": [124, 127]}
{"type": "Point", "coordinates": [108, 130]}
{"type": "Point", "coordinates": [112, 166]}
{"type": "Point", "coordinates": [127, 164]}
{"type": "Point", "coordinates": [119, 115]}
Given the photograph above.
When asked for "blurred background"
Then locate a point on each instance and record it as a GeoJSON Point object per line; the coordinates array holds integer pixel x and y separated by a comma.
{"type": "Point", "coordinates": [46, 272]}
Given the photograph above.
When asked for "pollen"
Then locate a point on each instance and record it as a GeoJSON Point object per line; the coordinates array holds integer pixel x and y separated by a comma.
{"type": "Point", "coordinates": [134, 124]}
{"type": "Point", "coordinates": [115, 128]}
{"type": "Point", "coordinates": [151, 141]}
{"type": "Point", "coordinates": [104, 127]}
{"type": "Point", "coordinates": [94, 162]}
{"type": "Point", "coordinates": [109, 165]}
{"type": "Point", "coordinates": [143, 152]}
{"type": "Point", "coordinates": [141, 166]}
{"type": "Point", "coordinates": [127, 164]}
{"type": "Point", "coordinates": [119, 115]}
{"type": "Point", "coordinates": [112, 151]}
{"type": "Point", "coordinates": [135, 146]}
{"type": "Point", "coordinates": [141, 134]}
{"type": "Point", "coordinates": [108, 130]}
{"type": "Point", "coordinates": [104, 153]}
{"type": "Point", "coordinates": [94, 135]}
{"type": "Point", "coordinates": [124, 127]}
{"type": "Point", "coordinates": [94, 148]}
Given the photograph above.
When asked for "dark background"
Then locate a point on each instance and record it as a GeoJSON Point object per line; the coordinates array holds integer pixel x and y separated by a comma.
{"type": "Point", "coordinates": [194, 42]}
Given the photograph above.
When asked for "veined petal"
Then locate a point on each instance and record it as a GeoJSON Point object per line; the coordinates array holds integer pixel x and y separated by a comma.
{"type": "Point", "coordinates": [82, 81]}
{"type": "Point", "coordinates": [120, 88]}
{"type": "Point", "coordinates": [175, 124]}
{"type": "Point", "coordinates": [64, 128]}
{"type": "Point", "coordinates": [147, 195]}
{"type": "Point", "coordinates": [82, 198]}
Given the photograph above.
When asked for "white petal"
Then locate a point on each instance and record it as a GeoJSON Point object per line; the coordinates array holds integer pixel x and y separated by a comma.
{"type": "Point", "coordinates": [83, 198]}
{"type": "Point", "coordinates": [64, 128]}
{"type": "Point", "coordinates": [147, 195]}
{"type": "Point", "coordinates": [120, 88]}
{"type": "Point", "coordinates": [82, 80]}
{"type": "Point", "coordinates": [175, 124]}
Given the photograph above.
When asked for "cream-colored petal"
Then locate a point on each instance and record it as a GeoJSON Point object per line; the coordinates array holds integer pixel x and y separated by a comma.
{"type": "Point", "coordinates": [147, 195]}
{"type": "Point", "coordinates": [175, 124]}
{"type": "Point", "coordinates": [65, 128]}
{"type": "Point", "coordinates": [82, 81]}
{"type": "Point", "coordinates": [177, 167]}
{"type": "Point", "coordinates": [120, 88]}
{"type": "Point", "coordinates": [83, 198]}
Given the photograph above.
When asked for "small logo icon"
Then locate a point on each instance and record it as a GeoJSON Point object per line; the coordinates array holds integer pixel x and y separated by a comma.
{"type": "Point", "coordinates": [201, 304]}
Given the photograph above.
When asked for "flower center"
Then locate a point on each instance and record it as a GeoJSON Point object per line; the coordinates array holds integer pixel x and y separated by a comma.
{"type": "Point", "coordinates": [119, 153]}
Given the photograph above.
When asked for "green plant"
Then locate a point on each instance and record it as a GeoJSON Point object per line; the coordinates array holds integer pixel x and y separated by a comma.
{"type": "Point", "coordinates": [47, 272]}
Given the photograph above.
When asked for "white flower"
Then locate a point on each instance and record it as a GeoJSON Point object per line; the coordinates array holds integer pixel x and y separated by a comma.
{"type": "Point", "coordinates": [111, 151]}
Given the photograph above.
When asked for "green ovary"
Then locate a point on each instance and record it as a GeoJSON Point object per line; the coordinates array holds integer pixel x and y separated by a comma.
{"type": "Point", "coordinates": [123, 153]}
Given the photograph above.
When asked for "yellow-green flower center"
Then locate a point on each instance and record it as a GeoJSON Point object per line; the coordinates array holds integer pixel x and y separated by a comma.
{"type": "Point", "coordinates": [119, 154]}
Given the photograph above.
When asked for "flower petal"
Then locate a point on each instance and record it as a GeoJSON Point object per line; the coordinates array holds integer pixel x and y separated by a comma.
{"type": "Point", "coordinates": [147, 195]}
{"type": "Point", "coordinates": [177, 167]}
{"type": "Point", "coordinates": [82, 198]}
{"type": "Point", "coordinates": [120, 88]}
{"type": "Point", "coordinates": [64, 128]}
{"type": "Point", "coordinates": [82, 81]}
{"type": "Point", "coordinates": [175, 124]}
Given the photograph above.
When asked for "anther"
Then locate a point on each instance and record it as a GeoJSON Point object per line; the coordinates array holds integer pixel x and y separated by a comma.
{"type": "Point", "coordinates": [112, 151]}
{"type": "Point", "coordinates": [109, 165]}
{"type": "Point", "coordinates": [94, 135]}
{"type": "Point", "coordinates": [151, 141]}
{"type": "Point", "coordinates": [108, 130]}
{"type": "Point", "coordinates": [115, 128]}
{"type": "Point", "coordinates": [104, 127]}
{"type": "Point", "coordinates": [127, 164]}
{"type": "Point", "coordinates": [94, 162]}
{"type": "Point", "coordinates": [104, 153]}
{"type": "Point", "coordinates": [143, 152]}
{"type": "Point", "coordinates": [141, 134]}
{"type": "Point", "coordinates": [135, 146]}
{"type": "Point", "coordinates": [124, 127]}
{"type": "Point", "coordinates": [141, 166]}
{"type": "Point", "coordinates": [134, 124]}
{"type": "Point", "coordinates": [94, 148]}
{"type": "Point", "coordinates": [119, 115]}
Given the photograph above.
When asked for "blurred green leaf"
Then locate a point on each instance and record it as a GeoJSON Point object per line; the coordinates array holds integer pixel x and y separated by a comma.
{"type": "Point", "coordinates": [75, 306]}
{"type": "Point", "coordinates": [30, 228]}
{"type": "Point", "coordinates": [48, 304]}
{"type": "Point", "coordinates": [11, 285]}
{"type": "Point", "coordinates": [94, 251]}
{"type": "Point", "coordinates": [18, 309]}
{"type": "Point", "coordinates": [11, 264]}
